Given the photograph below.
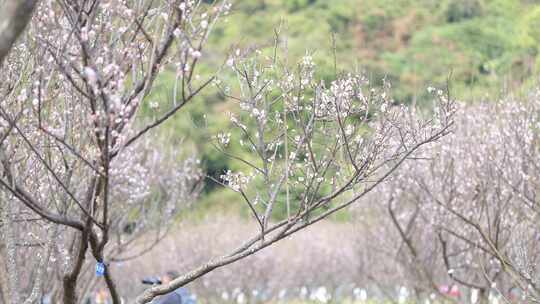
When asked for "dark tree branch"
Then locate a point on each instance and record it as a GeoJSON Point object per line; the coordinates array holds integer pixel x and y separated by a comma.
{"type": "Point", "coordinates": [14, 16]}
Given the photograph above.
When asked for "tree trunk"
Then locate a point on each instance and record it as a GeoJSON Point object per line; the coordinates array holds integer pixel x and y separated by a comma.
{"type": "Point", "coordinates": [71, 278]}
{"type": "Point", "coordinates": [14, 16]}
{"type": "Point", "coordinates": [3, 278]}
{"type": "Point", "coordinates": [483, 297]}
{"type": "Point", "coordinates": [10, 258]}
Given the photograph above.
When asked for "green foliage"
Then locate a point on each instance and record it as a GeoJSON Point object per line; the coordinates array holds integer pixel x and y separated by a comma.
{"type": "Point", "coordinates": [295, 5]}
{"type": "Point", "coordinates": [459, 10]}
{"type": "Point", "coordinates": [418, 43]}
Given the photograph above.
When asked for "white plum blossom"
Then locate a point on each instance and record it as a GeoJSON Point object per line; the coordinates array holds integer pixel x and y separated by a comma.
{"type": "Point", "coordinates": [237, 181]}
{"type": "Point", "coordinates": [224, 138]}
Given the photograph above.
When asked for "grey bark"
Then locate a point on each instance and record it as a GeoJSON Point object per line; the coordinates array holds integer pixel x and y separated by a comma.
{"type": "Point", "coordinates": [10, 258]}
{"type": "Point", "coordinates": [14, 16]}
{"type": "Point", "coordinates": [4, 296]}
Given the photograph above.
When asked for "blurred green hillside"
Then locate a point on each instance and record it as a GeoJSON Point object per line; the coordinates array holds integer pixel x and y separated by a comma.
{"type": "Point", "coordinates": [489, 46]}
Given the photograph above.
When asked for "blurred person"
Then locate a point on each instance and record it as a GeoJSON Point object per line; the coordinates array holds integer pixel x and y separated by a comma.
{"type": "Point", "coordinates": [101, 296]}
{"type": "Point", "coordinates": [179, 296]}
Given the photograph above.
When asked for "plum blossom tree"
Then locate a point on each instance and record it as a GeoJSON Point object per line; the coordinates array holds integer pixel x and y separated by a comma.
{"type": "Point", "coordinates": [472, 201]}
{"type": "Point", "coordinates": [69, 153]}
{"type": "Point", "coordinates": [83, 182]}
{"type": "Point", "coordinates": [314, 149]}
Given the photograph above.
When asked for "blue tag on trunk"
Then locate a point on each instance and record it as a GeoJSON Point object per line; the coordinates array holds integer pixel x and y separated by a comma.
{"type": "Point", "coordinates": [100, 269]}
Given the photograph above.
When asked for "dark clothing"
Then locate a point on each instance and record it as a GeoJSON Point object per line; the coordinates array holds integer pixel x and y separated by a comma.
{"type": "Point", "coordinates": [170, 298]}
{"type": "Point", "coordinates": [179, 296]}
